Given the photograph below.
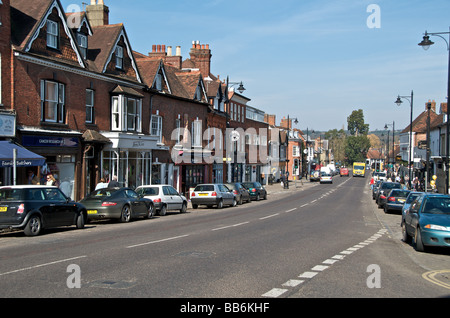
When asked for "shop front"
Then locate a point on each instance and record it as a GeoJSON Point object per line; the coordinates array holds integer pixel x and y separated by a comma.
{"type": "Point", "coordinates": [129, 158]}
{"type": "Point", "coordinates": [61, 153]}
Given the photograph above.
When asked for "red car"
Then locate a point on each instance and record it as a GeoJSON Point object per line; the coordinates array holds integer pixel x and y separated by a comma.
{"type": "Point", "coordinates": [343, 172]}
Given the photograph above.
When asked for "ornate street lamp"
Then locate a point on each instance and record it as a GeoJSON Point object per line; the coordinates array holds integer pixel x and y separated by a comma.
{"type": "Point", "coordinates": [399, 103]}
{"type": "Point", "coordinates": [425, 44]}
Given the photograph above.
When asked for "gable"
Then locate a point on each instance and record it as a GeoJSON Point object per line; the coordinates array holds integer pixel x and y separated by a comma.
{"type": "Point", "coordinates": [129, 67]}
{"type": "Point", "coordinates": [67, 49]}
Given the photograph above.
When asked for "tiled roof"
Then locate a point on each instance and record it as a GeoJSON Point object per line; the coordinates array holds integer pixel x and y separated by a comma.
{"type": "Point", "coordinates": [419, 124]}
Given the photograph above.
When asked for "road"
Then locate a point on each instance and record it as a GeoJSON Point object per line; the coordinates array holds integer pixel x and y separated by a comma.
{"type": "Point", "coordinates": [322, 241]}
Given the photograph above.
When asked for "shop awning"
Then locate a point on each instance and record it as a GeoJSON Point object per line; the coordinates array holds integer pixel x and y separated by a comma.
{"type": "Point", "coordinates": [25, 158]}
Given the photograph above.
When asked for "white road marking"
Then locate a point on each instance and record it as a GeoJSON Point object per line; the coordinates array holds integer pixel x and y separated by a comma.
{"type": "Point", "coordinates": [293, 282]}
{"type": "Point", "coordinates": [276, 292]}
{"type": "Point", "coordinates": [319, 268]}
{"type": "Point", "coordinates": [158, 241]}
{"type": "Point", "coordinates": [269, 216]}
{"type": "Point", "coordinates": [229, 226]}
{"type": "Point", "coordinates": [42, 265]}
{"type": "Point", "coordinates": [291, 210]}
{"type": "Point", "coordinates": [308, 275]}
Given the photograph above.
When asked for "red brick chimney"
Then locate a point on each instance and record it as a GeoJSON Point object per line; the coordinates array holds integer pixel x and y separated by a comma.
{"type": "Point", "coordinates": [201, 57]}
{"type": "Point", "coordinates": [433, 105]}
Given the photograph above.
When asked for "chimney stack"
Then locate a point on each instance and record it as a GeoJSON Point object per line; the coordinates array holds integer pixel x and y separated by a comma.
{"type": "Point", "coordinates": [201, 56]}
{"type": "Point", "coordinates": [97, 13]}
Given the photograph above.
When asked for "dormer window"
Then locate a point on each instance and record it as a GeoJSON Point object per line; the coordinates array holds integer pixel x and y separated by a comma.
{"type": "Point", "coordinates": [119, 57]}
{"type": "Point", "coordinates": [52, 34]}
{"type": "Point", "coordinates": [83, 44]}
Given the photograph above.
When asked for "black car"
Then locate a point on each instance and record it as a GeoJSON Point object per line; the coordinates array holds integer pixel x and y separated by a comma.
{"type": "Point", "coordinates": [33, 208]}
{"type": "Point", "coordinates": [395, 200]}
{"type": "Point", "coordinates": [240, 191]}
{"type": "Point", "coordinates": [256, 190]}
{"type": "Point", "coordinates": [384, 188]}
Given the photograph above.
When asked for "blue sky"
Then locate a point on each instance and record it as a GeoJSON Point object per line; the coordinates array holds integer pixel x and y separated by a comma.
{"type": "Point", "coordinates": [313, 60]}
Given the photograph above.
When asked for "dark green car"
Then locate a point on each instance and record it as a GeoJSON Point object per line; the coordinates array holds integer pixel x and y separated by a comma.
{"type": "Point", "coordinates": [256, 190]}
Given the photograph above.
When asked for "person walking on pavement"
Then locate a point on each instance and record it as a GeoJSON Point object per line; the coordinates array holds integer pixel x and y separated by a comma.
{"type": "Point", "coordinates": [113, 183]}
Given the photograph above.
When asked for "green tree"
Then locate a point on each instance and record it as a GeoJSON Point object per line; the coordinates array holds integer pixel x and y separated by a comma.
{"type": "Point", "coordinates": [356, 125]}
{"type": "Point", "coordinates": [358, 144]}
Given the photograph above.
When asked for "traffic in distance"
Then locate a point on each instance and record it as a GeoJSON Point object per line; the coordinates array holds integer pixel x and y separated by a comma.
{"type": "Point", "coordinates": [424, 216]}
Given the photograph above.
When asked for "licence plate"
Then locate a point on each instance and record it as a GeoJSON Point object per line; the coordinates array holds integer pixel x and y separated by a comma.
{"type": "Point", "coordinates": [3, 209]}
{"type": "Point", "coordinates": [401, 201]}
{"type": "Point", "coordinates": [203, 194]}
{"type": "Point", "coordinates": [92, 212]}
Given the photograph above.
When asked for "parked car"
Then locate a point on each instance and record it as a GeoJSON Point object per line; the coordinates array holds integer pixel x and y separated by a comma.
{"type": "Point", "coordinates": [210, 194]}
{"type": "Point", "coordinates": [240, 191]}
{"type": "Point", "coordinates": [375, 188]}
{"type": "Point", "coordinates": [34, 208]}
{"type": "Point", "coordinates": [117, 203]}
{"type": "Point", "coordinates": [164, 197]}
{"type": "Point", "coordinates": [326, 177]}
{"type": "Point", "coordinates": [395, 200]}
{"type": "Point", "coordinates": [256, 190]}
{"type": "Point", "coordinates": [409, 199]}
{"type": "Point", "coordinates": [383, 189]}
{"type": "Point", "coordinates": [427, 221]}
{"type": "Point", "coordinates": [343, 171]}
{"type": "Point", "coordinates": [314, 175]}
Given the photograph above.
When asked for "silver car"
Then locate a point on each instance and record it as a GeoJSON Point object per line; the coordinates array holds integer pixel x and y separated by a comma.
{"type": "Point", "coordinates": [212, 194]}
{"type": "Point", "coordinates": [164, 197]}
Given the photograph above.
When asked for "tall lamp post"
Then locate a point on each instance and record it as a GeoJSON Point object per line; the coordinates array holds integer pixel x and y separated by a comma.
{"type": "Point", "coordinates": [393, 140]}
{"type": "Point", "coordinates": [426, 43]}
{"type": "Point", "coordinates": [399, 103]}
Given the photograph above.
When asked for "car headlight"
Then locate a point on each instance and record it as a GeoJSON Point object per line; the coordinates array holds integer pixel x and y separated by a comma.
{"type": "Point", "coordinates": [437, 227]}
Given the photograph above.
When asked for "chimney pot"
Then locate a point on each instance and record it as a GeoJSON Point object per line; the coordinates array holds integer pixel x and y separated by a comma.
{"type": "Point", "coordinates": [169, 51]}
{"type": "Point", "coordinates": [153, 48]}
{"type": "Point", "coordinates": [178, 51]}
{"type": "Point", "coordinates": [163, 48]}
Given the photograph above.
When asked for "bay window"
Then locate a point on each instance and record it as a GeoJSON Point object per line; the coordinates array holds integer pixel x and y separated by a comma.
{"type": "Point", "coordinates": [126, 114]}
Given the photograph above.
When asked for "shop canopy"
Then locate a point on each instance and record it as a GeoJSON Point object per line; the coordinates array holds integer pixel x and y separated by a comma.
{"type": "Point", "coordinates": [24, 157]}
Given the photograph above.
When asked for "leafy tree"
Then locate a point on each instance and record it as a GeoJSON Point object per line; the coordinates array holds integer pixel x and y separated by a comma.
{"type": "Point", "coordinates": [356, 125]}
{"type": "Point", "coordinates": [358, 144]}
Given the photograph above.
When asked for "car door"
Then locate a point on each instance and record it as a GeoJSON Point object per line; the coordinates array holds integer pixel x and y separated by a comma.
{"type": "Point", "coordinates": [226, 194]}
{"type": "Point", "coordinates": [137, 203]}
{"type": "Point", "coordinates": [412, 215]}
{"type": "Point", "coordinates": [177, 201]}
{"type": "Point", "coordinates": [58, 210]}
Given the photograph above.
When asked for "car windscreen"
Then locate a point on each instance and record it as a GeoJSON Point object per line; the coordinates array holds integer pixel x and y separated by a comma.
{"type": "Point", "coordinates": [11, 194]}
{"type": "Point", "coordinates": [412, 197]}
{"type": "Point", "coordinates": [437, 205]}
{"type": "Point", "coordinates": [391, 185]}
{"type": "Point", "coordinates": [204, 187]}
{"type": "Point", "coordinates": [399, 194]}
{"type": "Point", "coordinates": [101, 193]}
{"type": "Point", "coordinates": [148, 191]}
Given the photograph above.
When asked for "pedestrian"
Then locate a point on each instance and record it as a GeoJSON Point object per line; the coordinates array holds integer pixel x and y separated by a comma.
{"type": "Point", "coordinates": [51, 181]}
{"type": "Point", "coordinates": [372, 182]}
{"type": "Point", "coordinates": [102, 184]}
{"type": "Point", "coordinates": [113, 183]}
{"type": "Point", "coordinates": [32, 178]}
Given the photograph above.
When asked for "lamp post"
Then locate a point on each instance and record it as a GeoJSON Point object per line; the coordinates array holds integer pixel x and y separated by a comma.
{"type": "Point", "coordinates": [426, 43]}
{"type": "Point", "coordinates": [393, 140]}
{"type": "Point", "coordinates": [241, 89]}
{"type": "Point", "coordinates": [410, 153]}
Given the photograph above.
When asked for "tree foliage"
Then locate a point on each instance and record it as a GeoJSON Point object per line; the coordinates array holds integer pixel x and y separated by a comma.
{"type": "Point", "coordinates": [357, 144]}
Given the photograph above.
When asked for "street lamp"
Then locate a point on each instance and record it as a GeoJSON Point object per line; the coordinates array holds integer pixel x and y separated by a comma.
{"type": "Point", "coordinates": [393, 140]}
{"type": "Point", "coordinates": [399, 103]}
{"type": "Point", "coordinates": [425, 44]}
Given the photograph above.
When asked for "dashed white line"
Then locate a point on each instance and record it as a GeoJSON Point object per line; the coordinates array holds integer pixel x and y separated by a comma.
{"type": "Point", "coordinates": [229, 226]}
{"type": "Point", "coordinates": [41, 265]}
{"type": "Point", "coordinates": [293, 282]}
{"type": "Point", "coordinates": [308, 275]}
{"type": "Point", "coordinates": [276, 292]}
{"type": "Point", "coordinates": [269, 216]}
{"type": "Point", "coordinates": [290, 210]}
{"type": "Point", "coordinates": [159, 241]}
{"type": "Point", "coordinates": [304, 205]}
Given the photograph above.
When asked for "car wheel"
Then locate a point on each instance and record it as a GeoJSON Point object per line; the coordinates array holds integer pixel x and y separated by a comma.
{"type": "Point", "coordinates": [418, 244]}
{"type": "Point", "coordinates": [150, 211]}
{"type": "Point", "coordinates": [80, 221]}
{"type": "Point", "coordinates": [126, 214]}
{"type": "Point", "coordinates": [265, 196]}
{"type": "Point", "coordinates": [234, 202]}
{"type": "Point", "coordinates": [220, 204]}
{"type": "Point", "coordinates": [405, 236]}
{"type": "Point", "coordinates": [163, 210]}
{"type": "Point", "coordinates": [240, 201]}
{"type": "Point", "coordinates": [183, 208]}
{"type": "Point", "coordinates": [257, 197]}
{"type": "Point", "coordinates": [33, 226]}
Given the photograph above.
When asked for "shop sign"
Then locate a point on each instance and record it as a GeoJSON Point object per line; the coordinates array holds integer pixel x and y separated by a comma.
{"type": "Point", "coordinates": [47, 141]}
